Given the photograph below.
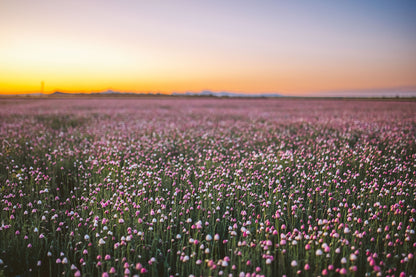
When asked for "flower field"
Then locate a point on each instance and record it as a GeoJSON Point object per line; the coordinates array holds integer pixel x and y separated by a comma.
{"type": "Point", "coordinates": [207, 187]}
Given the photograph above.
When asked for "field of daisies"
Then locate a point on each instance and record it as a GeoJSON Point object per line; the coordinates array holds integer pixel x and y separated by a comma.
{"type": "Point", "coordinates": [207, 187]}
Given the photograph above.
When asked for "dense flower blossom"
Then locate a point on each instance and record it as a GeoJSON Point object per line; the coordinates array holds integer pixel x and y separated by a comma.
{"type": "Point", "coordinates": [200, 187]}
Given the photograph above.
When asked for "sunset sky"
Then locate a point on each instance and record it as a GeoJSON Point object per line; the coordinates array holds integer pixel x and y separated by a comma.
{"type": "Point", "coordinates": [287, 47]}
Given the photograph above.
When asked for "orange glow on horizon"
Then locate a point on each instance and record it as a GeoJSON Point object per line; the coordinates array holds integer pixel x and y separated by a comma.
{"type": "Point", "coordinates": [284, 82]}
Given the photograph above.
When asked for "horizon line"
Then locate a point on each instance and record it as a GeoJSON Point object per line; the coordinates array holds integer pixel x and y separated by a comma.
{"type": "Point", "coordinates": [373, 92]}
{"type": "Point", "coordinates": [369, 93]}
{"type": "Point", "coordinates": [402, 88]}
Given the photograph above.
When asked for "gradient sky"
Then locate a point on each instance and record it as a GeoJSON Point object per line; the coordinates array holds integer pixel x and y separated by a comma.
{"type": "Point", "coordinates": [290, 47]}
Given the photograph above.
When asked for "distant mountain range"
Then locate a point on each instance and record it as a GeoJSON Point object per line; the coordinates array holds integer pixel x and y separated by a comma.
{"type": "Point", "coordinates": [205, 93]}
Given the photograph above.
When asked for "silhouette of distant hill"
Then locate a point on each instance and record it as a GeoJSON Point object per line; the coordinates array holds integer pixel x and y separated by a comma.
{"type": "Point", "coordinates": [57, 93]}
